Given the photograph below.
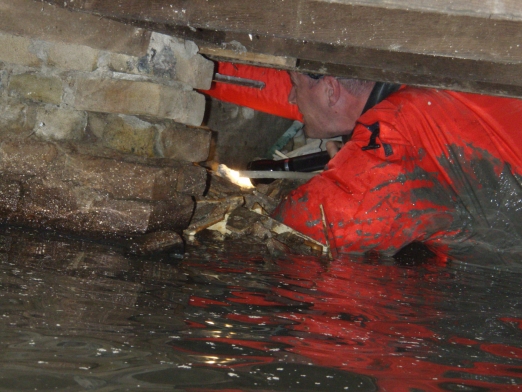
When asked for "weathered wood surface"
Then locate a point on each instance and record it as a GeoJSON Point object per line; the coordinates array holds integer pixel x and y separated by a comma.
{"type": "Point", "coordinates": [473, 45]}
{"type": "Point", "coordinates": [42, 21]}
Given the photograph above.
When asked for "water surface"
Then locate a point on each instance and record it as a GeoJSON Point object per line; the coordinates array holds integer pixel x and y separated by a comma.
{"type": "Point", "coordinates": [78, 316]}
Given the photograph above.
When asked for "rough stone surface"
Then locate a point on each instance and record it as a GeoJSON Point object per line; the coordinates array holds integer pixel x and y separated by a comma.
{"type": "Point", "coordinates": [139, 98]}
{"type": "Point", "coordinates": [127, 134]}
{"type": "Point", "coordinates": [36, 87]}
{"type": "Point", "coordinates": [54, 186]}
{"type": "Point", "coordinates": [60, 124]}
{"type": "Point", "coordinates": [26, 157]}
{"type": "Point", "coordinates": [58, 206]}
{"type": "Point", "coordinates": [17, 118]}
{"type": "Point", "coordinates": [16, 50]}
{"type": "Point", "coordinates": [129, 180]}
{"type": "Point", "coordinates": [10, 193]}
{"type": "Point", "coordinates": [184, 143]}
{"type": "Point", "coordinates": [72, 57]}
{"type": "Point", "coordinates": [177, 59]}
{"type": "Point", "coordinates": [239, 136]}
{"type": "Point", "coordinates": [118, 62]}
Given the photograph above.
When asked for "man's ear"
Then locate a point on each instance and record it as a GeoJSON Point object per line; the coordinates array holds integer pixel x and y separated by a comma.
{"type": "Point", "coordinates": [333, 89]}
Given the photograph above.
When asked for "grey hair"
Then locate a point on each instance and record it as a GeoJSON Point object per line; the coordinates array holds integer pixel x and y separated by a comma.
{"type": "Point", "coordinates": [356, 87]}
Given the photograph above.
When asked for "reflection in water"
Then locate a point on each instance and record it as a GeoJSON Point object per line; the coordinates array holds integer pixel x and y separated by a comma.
{"type": "Point", "coordinates": [81, 316]}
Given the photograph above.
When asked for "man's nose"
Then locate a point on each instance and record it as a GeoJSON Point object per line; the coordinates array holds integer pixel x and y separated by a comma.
{"type": "Point", "coordinates": [291, 96]}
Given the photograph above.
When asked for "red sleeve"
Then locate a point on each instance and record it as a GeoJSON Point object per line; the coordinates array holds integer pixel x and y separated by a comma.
{"type": "Point", "coordinates": [272, 99]}
{"type": "Point", "coordinates": [370, 196]}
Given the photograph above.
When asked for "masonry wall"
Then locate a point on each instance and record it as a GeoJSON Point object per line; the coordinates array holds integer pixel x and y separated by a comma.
{"type": "Point", "coordinates": [71, 76]}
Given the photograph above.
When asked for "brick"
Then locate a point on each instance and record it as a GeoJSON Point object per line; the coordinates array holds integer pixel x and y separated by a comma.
{"type": "Point", "coordinates": [38, 88]}
{"type": "Point", "coordinates": [16, 50]}
{"type": "Point", "coordinates": [183, 143]}
{"type": "Point", "coordinates": [17, 118]}
{"type": "Point", "coordinates": [139, 98]}
{"type": "Point", "coordinates": [127, 134]}
{"type": "Point", "coordinates": [178, 59]}
{"type": "Point", "coordinates": [72, 57]}
{"type": "Point", "coordinates": [60, 124]}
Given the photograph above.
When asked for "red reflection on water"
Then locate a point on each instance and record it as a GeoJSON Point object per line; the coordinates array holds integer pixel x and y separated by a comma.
{"type": "Point", "coordinates": [502, 350]}
{"type": "Point", "coordinates": [372, 319]}
{"type": "Point", "coordinates": [204, 302]}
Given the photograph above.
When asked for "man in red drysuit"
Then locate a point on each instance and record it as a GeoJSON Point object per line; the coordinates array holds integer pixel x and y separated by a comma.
{"type": "Point", "coordinates": [423, 165]}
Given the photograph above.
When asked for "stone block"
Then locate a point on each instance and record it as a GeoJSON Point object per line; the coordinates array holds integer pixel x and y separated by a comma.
{"type": "Point", "coordinates": [72, 57]}
{"type": "Point", "coordinates": [26, 157]}
{"type": "Point", "coordinates": [59, 206]}
{"type": "Point", "coordinates": [127, 134]}
{"type": "Point", "coordinates": [131, 180]}
{"type": "Point", "coordinates": [149, 180]}
{"type": "Point", "coordinates": [60, 124]}
{"type": "Point", "coordinates": [184, 143]}
{"type": "Point", "coordinates": [37, 88]}
{"type": "Point", "coordinates": [55, 186]}
{"type": "Point", "coordinates": [17, 118]}
{"type": "Point", "coordinates": [16, 50]}
{"type": "Point", "coordinates": [139, 98]}
{"type": "Point", "coordinates": [118, 62]}
{"type": "Point", "coordinates": [175, 58]}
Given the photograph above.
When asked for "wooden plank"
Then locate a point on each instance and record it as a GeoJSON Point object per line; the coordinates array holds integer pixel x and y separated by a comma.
{"type": "Point", "coordinates": [42, 21]}
{"type": "Point", "coordinates": [429, 71]}
{"type": "Point", "coordinates": [498, 9]}
{"type": "Point", "coordinates": [249, 57]}
{"type": "Point", "coordinates": [333, 23]}
{"type": "Point", "coordinates": [468, 45]}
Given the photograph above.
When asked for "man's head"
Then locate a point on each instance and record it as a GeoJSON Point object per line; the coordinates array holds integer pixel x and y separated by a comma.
{"type": "Point", "coordinates": [330, 105]}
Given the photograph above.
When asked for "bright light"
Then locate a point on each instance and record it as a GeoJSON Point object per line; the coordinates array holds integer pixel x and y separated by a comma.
{"type": "Point", "coordinates": [233, 176]}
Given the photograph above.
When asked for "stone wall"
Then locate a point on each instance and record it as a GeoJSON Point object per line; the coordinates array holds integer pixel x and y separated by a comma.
{"type": "Point", "coordinates": [100, 124]}
{"type": "Point", "coordinates": [70, 76]}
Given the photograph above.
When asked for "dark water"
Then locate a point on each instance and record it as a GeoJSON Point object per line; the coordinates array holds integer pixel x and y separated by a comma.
{"type": "Point", "coordinates": [78, 316]}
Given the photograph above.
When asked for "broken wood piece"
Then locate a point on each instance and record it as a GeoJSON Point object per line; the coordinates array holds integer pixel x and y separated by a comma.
{"type": "Point", "coordinates": [211, 212]}
{"type": "Point", "coordinates": [243, 222]}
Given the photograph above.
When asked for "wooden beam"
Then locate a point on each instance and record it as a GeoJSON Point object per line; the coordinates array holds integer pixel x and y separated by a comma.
{"type": "Point", "coordinates": [429, 71]}
{"type": "Point", "coordinates": [467, 45]}
{"type": "Point", "coordinates": [42, 21]}
{"type": "Point", "coordinates": [249, 57]}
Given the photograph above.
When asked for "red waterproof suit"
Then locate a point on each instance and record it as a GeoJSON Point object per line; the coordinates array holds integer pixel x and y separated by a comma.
{"type": "Point", "coordinates": [447, 172]}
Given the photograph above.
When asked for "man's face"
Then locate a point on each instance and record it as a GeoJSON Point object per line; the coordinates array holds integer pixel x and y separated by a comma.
{"type": "Point", "coordinates": [308, 94]}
